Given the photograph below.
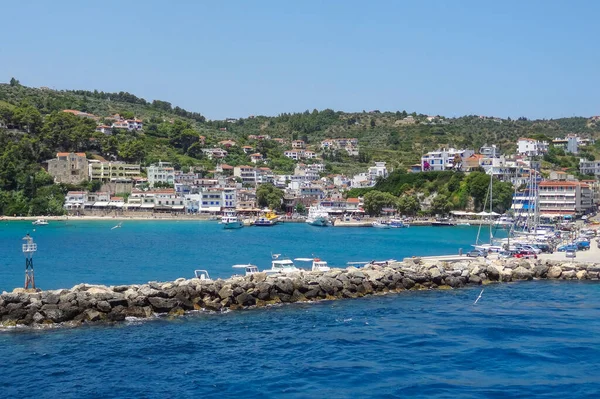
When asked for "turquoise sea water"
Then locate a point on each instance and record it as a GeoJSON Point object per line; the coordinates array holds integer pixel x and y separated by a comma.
{"type": "Point", "coordinates": [529, 339]}
{"type": "Point", "coordinates": [140, 251]}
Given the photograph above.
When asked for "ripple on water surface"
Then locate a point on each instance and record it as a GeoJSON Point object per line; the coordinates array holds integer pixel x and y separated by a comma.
{"type": "Point", "coordinates": [523, 339]}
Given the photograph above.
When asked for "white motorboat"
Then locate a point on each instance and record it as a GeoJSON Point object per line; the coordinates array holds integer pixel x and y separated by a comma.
{"type": "Point", "coordinates": [318, 265]}
{"type": "Point", "coordinates": [282, 266]}
{"type": "Point", "coordinates": [317, 216]}
{"type": "Point", "coordinates": [248, 269]}
{"type": "Point", "coordinates": [40, 222]}
{"type": "Point", "coordinates": [202, 275]}
{"type": "Point", "coordinates": [380, 225]}
{"type": "Point", "coordinates": [230, 220]}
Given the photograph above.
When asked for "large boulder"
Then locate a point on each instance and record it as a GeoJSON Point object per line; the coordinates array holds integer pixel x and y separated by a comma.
{"type": "Point", "coordinates": [554, 272]}
{"type": "Point", "coordinates": [540, 271]}
{"type": "Point", "coordinates": [493, 273]}
{"type": "Point", "coordinates": [521, 273]}
{"type": "Point", "coordinates": [225, 292]}
{"type": "Point", "coordinates": [284, 285]}
{"type": "Point", "coordinates": [162, 305]}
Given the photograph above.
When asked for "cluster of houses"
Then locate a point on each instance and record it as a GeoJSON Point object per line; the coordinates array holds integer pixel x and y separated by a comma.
{"type": "Point", "coordinates": [558, 195]}
{"type": "Point", "coordinates": [117, 122]}
{"type": "Point", "coordinates": [165, 189]}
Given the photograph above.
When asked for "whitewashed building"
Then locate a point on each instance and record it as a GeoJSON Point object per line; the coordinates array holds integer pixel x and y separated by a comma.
{"type": "Point", "coordinates": [531, 147]}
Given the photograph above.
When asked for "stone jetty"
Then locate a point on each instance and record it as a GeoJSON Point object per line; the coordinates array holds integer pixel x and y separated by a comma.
{"type": "Point", "coordinates": [93, 303]}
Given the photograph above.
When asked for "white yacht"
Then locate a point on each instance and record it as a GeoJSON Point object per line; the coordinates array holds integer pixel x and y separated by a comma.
{"type": "Point", "coordinates": [317, 216]}
{"type": "Point", "coordinates": [40, 222]}
{"type": "Point", "coordinates": [230, 220]}
{"type": "Point", "coordinates": [282, 266]}
{"type": "Point", "coordinates": [248, 269]}
{"type": "Point", "coordinates": [318, 265]}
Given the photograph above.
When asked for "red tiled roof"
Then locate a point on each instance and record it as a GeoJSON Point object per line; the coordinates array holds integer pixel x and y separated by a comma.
{"type": "Point", "coordinates": [64, 154]}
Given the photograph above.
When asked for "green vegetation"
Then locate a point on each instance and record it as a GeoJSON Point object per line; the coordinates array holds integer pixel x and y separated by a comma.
{"type": "Point", "coordinates": [33, 128]}
{"type": "Point", "coordinates": [450, 190]}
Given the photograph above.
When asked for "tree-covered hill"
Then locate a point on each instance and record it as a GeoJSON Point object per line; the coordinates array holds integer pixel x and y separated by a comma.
{"type": "Point", "coordinates": [33, 128]}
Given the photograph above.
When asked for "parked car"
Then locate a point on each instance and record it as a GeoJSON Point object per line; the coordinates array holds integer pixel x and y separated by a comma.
{"type": "Point", "coordinates": [567, 247]}
{"type": "Point", "coordinates": [476, 253]}
{"type": "Point", "coordinates": [570, 254]}
{"type": "Point", "coordinates": [583, 245]}
{"type": "Point", "coordinates": [530, 248]}
{"type": "Point", "coordinates": [546, 248]}
{"type": "Point", "coordinates": [525, 255]}
{"type": "Point", "coordinates": [506, 254]}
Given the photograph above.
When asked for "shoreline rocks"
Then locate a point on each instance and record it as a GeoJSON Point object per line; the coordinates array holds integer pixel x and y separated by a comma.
{"type": "Point", "coordinates": [86, 303]}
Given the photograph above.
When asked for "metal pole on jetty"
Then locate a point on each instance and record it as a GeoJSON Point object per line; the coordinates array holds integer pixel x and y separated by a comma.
{"type": "Point", "coordinates": [29, 249]}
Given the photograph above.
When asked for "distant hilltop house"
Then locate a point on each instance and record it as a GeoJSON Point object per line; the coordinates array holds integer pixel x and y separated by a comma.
{"type": "Point", "coordinates": [214, 153]}
{"type": "Point", "coordinates": [104, 129]}
{"type": "Point", "coordinates": [128, 124]}
{"type": "Point", "coordinates": [350, 145]}
{"type": "Point", "coordinates": [80, 114]}
{"type": "Point", "coordinates": [69, 167]}
{"type": "Point", "coordinates": [300, 154]}
{"type": "Point", "coordinates": [259, 137]}
{"type": "Point", "coordinates": [227, 143]}
{"type": "Point", "coordinates": [256, 158]}
{"type": "Point", "coordinates": [298, 144]}
{"type": "Point", "coordinates": [531, 147]}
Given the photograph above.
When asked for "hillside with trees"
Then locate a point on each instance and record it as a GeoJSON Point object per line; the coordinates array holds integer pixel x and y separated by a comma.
{"type": "Point", "coordinates": [33, 128]}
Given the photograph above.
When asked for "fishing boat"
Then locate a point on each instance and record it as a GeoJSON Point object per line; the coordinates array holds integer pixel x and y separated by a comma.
{"type": "Point", "coordinates": [40, 222]}
{"type": "Point", "coordinates": [380, 225]}
{"type": "Point", "coordinates": [317, 216]}
{"type": "Point", "coordinates": [202, 275]}
{"type": "Point", "coordinates": [318, 265]}
{"type": "Point", "coordinates": [282, 266]}
{"type": "Point", "coordinates": [269, 218]}
{"type": "Point", "coordinates": [398, 224]}
{"type": "Point", "coordinates": [230, 220]}
{"type": "Point", "coordinates": [248, 269]}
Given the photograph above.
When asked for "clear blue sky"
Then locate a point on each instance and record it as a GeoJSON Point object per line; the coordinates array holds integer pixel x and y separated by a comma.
{"type": "Point", "coordinates": [538, 59]}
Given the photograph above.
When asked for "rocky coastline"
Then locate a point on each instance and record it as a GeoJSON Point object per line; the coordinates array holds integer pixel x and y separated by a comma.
{"type": "Point", "coordinates": [84, 303]}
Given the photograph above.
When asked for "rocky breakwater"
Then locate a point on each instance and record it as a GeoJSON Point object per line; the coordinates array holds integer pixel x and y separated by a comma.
{"type": "Point", "coordinates": [92, 303]}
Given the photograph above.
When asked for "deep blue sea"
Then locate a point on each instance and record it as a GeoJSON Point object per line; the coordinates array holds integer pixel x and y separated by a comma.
{"type": "Point", "coordinates": [529, 339]}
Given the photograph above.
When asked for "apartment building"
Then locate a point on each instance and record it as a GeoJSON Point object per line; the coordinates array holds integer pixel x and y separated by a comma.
{"type": "Point", "coordinates": [163, 172]}
{"type": "Point", "coordinates": [565, 198]}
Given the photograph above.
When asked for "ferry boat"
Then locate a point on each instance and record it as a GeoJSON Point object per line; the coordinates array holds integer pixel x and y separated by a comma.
{"type": "Point", "coordinates": [318, 265]}
{"type": "Point", "coordinates": [317, 217]}
{"type": "Point", "coordinates": [268, 219]}
{"type": "Point", "coordinates": [40, 222]}
{"type": "Point", "coordinates": [282, 266]}
{"type": "Point", "coordinates": [230, 220]}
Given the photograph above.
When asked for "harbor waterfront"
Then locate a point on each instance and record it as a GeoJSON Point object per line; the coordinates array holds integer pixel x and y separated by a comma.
{"type": "Point", "coordinates": [75, 251]}
{"type": "Point", "coordinates": [526, 338]}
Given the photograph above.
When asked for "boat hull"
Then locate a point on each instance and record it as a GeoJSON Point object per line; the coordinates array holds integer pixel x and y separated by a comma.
{"type": "Point", "coordinates": [320, 222]}
{"type": "Point", "coordinates": [233, 225]}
